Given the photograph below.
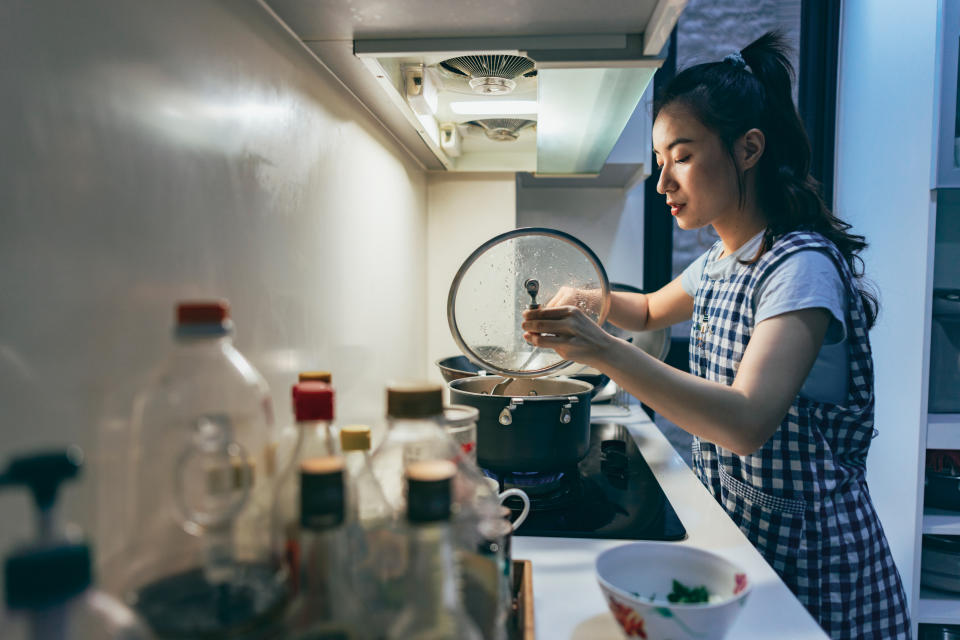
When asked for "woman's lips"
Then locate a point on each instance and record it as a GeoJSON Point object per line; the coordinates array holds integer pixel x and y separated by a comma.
{"type": "Point", "coordinates": [675, 208]}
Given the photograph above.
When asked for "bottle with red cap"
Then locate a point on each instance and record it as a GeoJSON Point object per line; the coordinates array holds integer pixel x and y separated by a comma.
{"type": "Point", "coordinates": [312, 435]}
{"type": "Point", "coordinates": [198, 558]}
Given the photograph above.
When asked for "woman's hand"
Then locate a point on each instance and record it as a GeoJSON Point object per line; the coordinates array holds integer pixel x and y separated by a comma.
{"type": "Point", "coordinates": [584, 299]}
{"type": "Point", "coordinates": [568, 331]}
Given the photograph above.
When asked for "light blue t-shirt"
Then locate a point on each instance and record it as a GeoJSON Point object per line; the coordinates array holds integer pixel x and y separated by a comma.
{"type": "Point", "coordinates": [803, 280]}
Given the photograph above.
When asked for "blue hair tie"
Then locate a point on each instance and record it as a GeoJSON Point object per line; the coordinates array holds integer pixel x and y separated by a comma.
{"type": "Point", "coordinates": [736, 59]}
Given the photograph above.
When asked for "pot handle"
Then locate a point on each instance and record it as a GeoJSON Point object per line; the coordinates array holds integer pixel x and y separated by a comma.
{"type": "Point", "coordinates": [565, 414]}
{"type": "Point", "coordinates": [506, 416]}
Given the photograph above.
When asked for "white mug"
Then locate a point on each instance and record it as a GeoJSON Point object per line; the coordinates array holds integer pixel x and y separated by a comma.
{"type": "Point", "coordinates": [520, 493]}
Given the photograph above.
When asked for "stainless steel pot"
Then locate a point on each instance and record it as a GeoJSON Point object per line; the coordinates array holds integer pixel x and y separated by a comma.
{"type": "Point", "coordinates": [542, 424]}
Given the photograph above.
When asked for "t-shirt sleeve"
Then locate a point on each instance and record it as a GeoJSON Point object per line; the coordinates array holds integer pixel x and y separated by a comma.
{"type": "Point", "coordinates": [691, 276]}
{"type": "Point", "coordinates": [804, 280]}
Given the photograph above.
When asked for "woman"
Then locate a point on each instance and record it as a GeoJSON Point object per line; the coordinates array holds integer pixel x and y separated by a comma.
{"type": "Point", "coordinates": [780, 399]}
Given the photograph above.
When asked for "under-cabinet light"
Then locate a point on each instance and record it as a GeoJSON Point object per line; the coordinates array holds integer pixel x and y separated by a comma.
{"type": "Point", "coordinates": [494, 107]}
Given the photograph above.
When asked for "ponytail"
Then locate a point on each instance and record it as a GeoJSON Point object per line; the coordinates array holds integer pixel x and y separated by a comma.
{"type": "Point", "coordinates": [752, 89]}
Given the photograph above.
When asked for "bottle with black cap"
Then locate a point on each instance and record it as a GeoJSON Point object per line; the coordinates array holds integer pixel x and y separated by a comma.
{"type": "Point", "coordinates": [49, 583]}
{"type": "Point", "coordinates": [434, 609]}
{"type": "Point", "coordinates": [326, 605]}
{"type": "Point", "coordinates": [416, 420]}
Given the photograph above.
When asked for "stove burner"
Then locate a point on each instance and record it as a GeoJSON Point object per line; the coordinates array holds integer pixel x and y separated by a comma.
{"type": "Point", "coordinates": [612, 493]}
{"type": "Point", "coordinates": [546, 490]}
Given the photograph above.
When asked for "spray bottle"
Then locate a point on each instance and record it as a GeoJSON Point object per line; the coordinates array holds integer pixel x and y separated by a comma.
{"type": "Point", "coordinates": [49, 581]}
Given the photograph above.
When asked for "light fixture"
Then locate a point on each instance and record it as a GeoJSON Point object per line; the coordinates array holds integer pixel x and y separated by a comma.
{"type": "Point", "coordinates": [494, 107]}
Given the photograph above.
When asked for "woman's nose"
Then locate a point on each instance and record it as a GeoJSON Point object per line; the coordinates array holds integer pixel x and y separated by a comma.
{"type": "Point", "coordinates": [664, 182]}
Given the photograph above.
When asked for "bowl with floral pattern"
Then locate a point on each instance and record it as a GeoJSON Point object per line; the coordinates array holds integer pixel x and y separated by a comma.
{"type": "Point", "coordinates": [660, 590]}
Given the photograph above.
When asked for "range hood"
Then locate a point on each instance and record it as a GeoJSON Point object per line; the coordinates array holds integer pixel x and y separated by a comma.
{"type": "Point", "coordinates": [538, 86]}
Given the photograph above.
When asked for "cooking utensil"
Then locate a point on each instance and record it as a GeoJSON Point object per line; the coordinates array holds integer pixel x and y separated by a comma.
{"type": "Point", "coordinates": [941, 482]}
{"type": "Point", "coordinates": [543, 426]}
{"type": "Point", "coordinates": [533, 287]}
{"type": "Point", "coordinates": [456, 367]}
{"type": "Point", "coordinates": [940, 562]}
{"type": "Point", "coordinates": [490, 292]}
{"type": "Point", "coordinates": [939, 632]}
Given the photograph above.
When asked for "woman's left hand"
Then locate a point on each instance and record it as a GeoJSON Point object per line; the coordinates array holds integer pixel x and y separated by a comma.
{"type": "Point", "coordinates": [569, 332]}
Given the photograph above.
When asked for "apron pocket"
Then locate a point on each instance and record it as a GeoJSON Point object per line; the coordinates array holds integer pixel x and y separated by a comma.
{"type": "Point", "coordinates": [759, 498]}
{"type": "Point", "coordinates": [775, 525]}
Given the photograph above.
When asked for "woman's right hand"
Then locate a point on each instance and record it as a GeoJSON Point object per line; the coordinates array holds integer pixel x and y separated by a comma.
{"type": "Point", "coordinates": [584, 299]}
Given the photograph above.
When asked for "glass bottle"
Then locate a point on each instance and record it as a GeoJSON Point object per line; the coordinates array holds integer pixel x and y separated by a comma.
{"type": "Point", "coordinates": [326, 605]}
{"type": "Point", "coordinates": [415, 432]}
{"type": "Point", "coordinates": [366, 503]}
{"type": "Point", "coordinates": [460, 422]}
{"type": "Point", "coordinates": [377, 547]}
{"type": "Point", "coordinates": [434, 609]}
{"type": "Point", "coordinates": [198, 559]}
{"type": "Point", "coordinates": [487, 578]}
{"type": "Point", "coordinates": [312, 435]}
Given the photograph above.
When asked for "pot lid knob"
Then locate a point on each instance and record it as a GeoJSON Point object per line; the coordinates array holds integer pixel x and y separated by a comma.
{"type": "Point", "coordinates": [533, 288]}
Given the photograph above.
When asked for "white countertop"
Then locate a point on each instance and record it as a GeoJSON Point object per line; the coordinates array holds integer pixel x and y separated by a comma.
{"type": "Point", "coordinates": [568, 602]}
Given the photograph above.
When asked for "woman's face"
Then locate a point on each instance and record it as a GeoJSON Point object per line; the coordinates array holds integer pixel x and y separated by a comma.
{"type": "Point", "coordinates": [697, 175]}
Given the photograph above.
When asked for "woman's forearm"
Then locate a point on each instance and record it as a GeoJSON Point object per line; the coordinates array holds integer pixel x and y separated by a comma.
{"type": "Point", "coordinates": [628, 310]}
{"type": "Point", "coordinates": [715, 412]}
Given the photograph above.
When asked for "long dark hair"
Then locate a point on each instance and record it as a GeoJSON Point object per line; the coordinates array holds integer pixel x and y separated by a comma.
{"type": "Point", "coordinates": [752, 89]}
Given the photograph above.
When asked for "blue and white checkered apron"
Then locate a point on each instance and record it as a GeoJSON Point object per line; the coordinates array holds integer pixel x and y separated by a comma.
{"type": "Point", "coordinates": [802, 498]}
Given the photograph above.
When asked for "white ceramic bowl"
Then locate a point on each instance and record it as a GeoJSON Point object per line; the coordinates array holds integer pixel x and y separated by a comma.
{"type": "Point", "coordinates": [636, 578]}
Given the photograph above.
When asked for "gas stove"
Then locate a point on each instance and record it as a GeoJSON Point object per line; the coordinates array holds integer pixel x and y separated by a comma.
{"type": "Point", "coordinates": [611, 493]}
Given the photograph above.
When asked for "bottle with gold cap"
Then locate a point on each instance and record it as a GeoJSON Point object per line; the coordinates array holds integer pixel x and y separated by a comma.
{"type": "Point", "coordinates": [366, 503]}
{"type": "Point", "coordinates": [375, 543]}
{"type": "Point", "coordinates": [434, 609]}
{"type": "Point", "coordinates": [326, 605]}
{"type": "Point", "coordinates": [414, 432]}
{"type": "Point", "coordinates": [315, 376]}
{"type": "Point", "coordinates": [312, 435]}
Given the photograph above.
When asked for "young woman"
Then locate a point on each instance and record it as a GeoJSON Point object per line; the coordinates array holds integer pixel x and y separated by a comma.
{"type": "Point", "coordinates": [780, 399]}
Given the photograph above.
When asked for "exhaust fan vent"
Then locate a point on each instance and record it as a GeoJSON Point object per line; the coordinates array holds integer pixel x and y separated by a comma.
{"type": "Point", "coordinates": [502, 129]}
{"type": "Point", "coordinates": [491, 73]}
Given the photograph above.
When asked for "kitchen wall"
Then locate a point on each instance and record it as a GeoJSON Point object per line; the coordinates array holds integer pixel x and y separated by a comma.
{"type": "Point", "coordinates": [463, 212]}
{"type": "Point", "coordinates": [608, 220]}
{"type": "Point", "coordinates": [154, 151]}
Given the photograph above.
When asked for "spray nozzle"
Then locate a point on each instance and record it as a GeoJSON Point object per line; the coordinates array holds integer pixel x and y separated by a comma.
{"type": "Point", "coordinates": [43, 473]}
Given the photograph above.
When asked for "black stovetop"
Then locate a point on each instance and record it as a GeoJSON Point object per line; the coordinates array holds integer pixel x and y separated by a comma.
{"type": "Point", "coordinates": [611, 494]}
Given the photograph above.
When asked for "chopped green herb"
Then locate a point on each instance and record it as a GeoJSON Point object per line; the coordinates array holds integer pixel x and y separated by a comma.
{"type": "Point", "coordinates": [683, 593]}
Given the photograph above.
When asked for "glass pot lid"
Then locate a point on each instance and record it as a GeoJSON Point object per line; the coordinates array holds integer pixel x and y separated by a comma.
{"type": "Point", "coordinates": [502, 278]}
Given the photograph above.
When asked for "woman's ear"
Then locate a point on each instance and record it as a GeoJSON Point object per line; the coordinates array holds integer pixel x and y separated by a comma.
{"type": "Point", "coordinates": [749, 148]}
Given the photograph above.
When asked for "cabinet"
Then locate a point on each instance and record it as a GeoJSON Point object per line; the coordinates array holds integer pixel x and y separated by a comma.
{"type": "Point", "coordinates": [895, 180]}
{"type": "Point", "coordinates": [943, 429]}
{"type": "Point", "coordinates": [946, 169]}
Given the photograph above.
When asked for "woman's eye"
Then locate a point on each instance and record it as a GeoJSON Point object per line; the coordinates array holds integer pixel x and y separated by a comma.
{"type": "Point", "coordinates": [683, 159]}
